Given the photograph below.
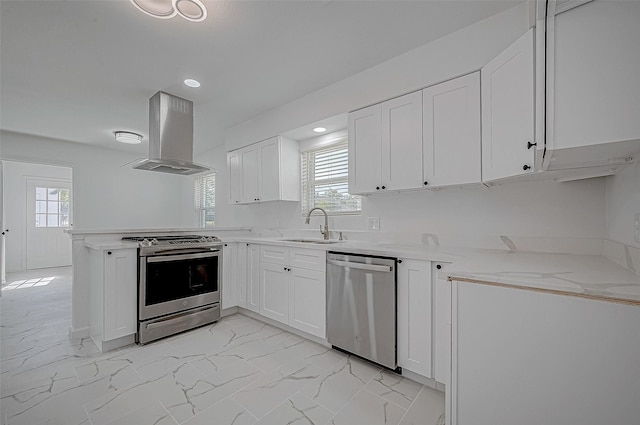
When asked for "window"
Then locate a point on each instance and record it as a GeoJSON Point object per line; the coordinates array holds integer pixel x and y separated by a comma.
{"type": "Point", "coordinates": [52, 207]}
{"type": "Point", "coordinates": [205, 199]}
{"type": "Point", "coordinates": [325, 181]}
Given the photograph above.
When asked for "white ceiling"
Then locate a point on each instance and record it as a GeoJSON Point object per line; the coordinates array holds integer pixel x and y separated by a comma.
{"type": "Point", "coordinates": [79, 70]}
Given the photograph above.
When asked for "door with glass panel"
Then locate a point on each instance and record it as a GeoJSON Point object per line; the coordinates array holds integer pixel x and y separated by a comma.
{"type": "Point", "coordinates": [48, 214]}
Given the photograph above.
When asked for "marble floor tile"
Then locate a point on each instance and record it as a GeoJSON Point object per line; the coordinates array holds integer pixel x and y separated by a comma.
{"type": "Point", "coordinates": [152, 414]}
{"type": "Point", "coordinates": [369, 409]}
{"type": "Point", "coordinates": [427, 409]}
{"type": "Point", "coordinates": [394, 388]}
{"type": "Point", "coordinates": [226, 412]}
{"type": "Point", "coordinates": [336, 386]}
{"type": "Point", "coordinates": [275, 387]}
{"type": "Point", "coordinates": [297, 410]}
{"type": "Point", "coordinates": [237, 371]}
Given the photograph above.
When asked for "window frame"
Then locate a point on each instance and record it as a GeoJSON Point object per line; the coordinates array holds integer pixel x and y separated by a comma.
{"type": "Point", "coordinates": [307, 187]}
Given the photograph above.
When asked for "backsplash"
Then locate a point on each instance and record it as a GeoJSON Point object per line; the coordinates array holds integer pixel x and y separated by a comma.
{"type": "Point", "coordinates": [624, 255]}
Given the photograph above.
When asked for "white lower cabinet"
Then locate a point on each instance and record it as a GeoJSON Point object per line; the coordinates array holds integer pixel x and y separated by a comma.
{"type": "Point", "coordinates": [441, 324]}
{"type": "Point", "coordinates": [528, 357]}
{"type": "Point", "coordinates": [252, 279]}
{"type": "Point", "coordinates": [414, 316]}
{"type": "Point", "coordinates": [114, 294]}
{"type": "Point", "coordinates": [230, 275]}
{"type": "Point", "coordinates": [293, 287]}
{"type": "Point", "coordinates": [241, 289]}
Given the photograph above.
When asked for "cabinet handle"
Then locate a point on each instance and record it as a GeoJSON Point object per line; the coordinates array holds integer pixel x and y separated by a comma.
{"type": "Point", "coordinates": [247, 244]}
{"type": "Point", "coordinates": [530, 145]}
{"type": "Point", "coordinates": [377, 187]}
{"type": "Point", "coordinates": [109, 252]}
{"type": "Point", "coordinates": [226, 245]}
{"type": "Point", "coordinates": [526, 167]}
{"type": "Point", "coordinates": [399, 261]}
{"type": "Point", "coordinates": [383, 187]}
{"type": "Point", "coordinates": [426, 183]}
{"type": "Point", "coordinates": [438, 267]}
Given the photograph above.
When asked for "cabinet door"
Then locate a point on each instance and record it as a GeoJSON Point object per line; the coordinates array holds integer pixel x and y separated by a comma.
{"type": "Point", "coordinates": [414, 316]}
{"type": "Point", "coordinates": [253, 277]}
{"type": "Point", "coordinates": [269, 170]}
{"type": "Point", "coordinates": [402, 142]}
{"type": "Point", "coordinates": [120, 293]}
{"type": "Point", "coordinates": [365, 149]}
{"type": "Point", "coordinates": [235, 183]}
{"type": "Point", "coordinates": [442, 326]}
{"type": "Point", "coordinates": [451, 132]}
{"type": "Point", "coordinates": [242, 275]}
{"type": "Point", "coordinates": [249, 174]}
{"type": "Point", "coordinates": [307, 301]}
{"type": "Point", "coordinates": [274, 285]}
{"type": "Point", "coordinates": [229, 275]}
{"type": "Point", "coordinates": [508, 111]}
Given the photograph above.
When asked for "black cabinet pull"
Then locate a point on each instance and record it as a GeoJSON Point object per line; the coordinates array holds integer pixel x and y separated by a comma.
{"type": "Point", "coordinates": [530, 145]}
{"type": "Point", "coordinates": [383, 187]}
{"type": "Point", "coordinates": [109, 252]}
{"type": "Point", "coordinates": [526, 167]}
{"type": "Point", "coordinates": [226, 245]}
{"type": "Point", "coordinates": [377, 187]}
{"type": "Point", "coordinates": [438, 267]}
{"type": "Point", "coordinates": [426, 183]}
{"type": "Point", "coordinates": [399, 261]}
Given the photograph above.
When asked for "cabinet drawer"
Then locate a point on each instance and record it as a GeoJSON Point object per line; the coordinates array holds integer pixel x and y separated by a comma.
{"type": "Point", "coordinates": [274, 254]}
{"type": "Point", "coordinates": [312, 259]}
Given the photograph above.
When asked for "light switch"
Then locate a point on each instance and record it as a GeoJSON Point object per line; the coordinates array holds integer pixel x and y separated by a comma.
{"type": "Point", "coordinates": [374, 223]}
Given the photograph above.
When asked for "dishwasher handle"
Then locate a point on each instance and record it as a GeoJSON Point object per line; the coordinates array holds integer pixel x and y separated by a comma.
{"type": "Point", "coordinates": [361, 266]}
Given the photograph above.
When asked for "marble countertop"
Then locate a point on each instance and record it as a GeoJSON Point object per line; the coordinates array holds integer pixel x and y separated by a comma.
{"type": "Point", "coordinates": [590, 276]}
{"type": "Point", "coordinates": [110, 244]}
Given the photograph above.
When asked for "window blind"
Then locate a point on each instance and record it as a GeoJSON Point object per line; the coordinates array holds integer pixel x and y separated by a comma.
{"type": "Point", "coordinates": [205, 199]}
{"type": "Point", "coordinates": [325, 180]}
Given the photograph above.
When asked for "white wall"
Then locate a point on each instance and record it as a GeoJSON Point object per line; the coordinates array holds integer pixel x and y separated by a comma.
{"type": "Point", "coordinates": [459, 53]}
{"type": "Point", "coordinates": [107, 193]}
{"type": "Point", "coordinates": [15, 203]}
{"type": "Point", "coordinates": [622, 203]}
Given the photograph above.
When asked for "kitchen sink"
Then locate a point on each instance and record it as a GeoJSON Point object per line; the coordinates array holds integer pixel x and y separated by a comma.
{"type": "Point", "coordinates": [320, 241]}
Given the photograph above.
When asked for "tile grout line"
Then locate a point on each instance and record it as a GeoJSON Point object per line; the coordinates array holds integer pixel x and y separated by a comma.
{"type": "Point", "coordinates": [412, 403]}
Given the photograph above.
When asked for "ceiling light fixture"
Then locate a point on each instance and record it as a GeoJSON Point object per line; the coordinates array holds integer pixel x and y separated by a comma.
{"type": "Point", "coordinates": [319, 129]}
{"type": "Point", "coordinates": [191, 10]}
{"type": "Point", "coordinates": [192, 83]}
{"type": "Point", "coordinates": [128, 137]}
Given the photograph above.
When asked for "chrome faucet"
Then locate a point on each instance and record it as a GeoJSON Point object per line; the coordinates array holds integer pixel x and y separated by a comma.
{"type": "Point", "coordinates": [324, 232]}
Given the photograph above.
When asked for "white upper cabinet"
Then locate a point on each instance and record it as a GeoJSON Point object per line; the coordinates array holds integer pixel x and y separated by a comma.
{"type": "Point", "coordinates": [507, 84]}
{"type": "Point", "coordinates": [402, 142]}
{"type": "Point", "coordinates": [233, 164]}
{"type": "Point", "coordinates": [365, 147]}
{"type": "Point", "coordinates": [264, 171]}
{"type": "Point", "coordinates": [593, 89]}
{"type": "Point", "coordinates": [451, 132]}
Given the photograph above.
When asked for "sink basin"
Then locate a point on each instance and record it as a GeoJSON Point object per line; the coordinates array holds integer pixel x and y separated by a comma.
{"type": "Point", "coordinates": [320, 241]}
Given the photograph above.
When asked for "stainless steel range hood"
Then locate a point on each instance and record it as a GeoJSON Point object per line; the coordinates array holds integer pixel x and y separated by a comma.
{"type": "Point", "coordinates": [170, 136]}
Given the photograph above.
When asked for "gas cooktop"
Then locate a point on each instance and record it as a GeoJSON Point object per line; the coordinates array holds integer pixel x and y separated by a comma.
{"type": "Point", "coordinates": [152, 240]}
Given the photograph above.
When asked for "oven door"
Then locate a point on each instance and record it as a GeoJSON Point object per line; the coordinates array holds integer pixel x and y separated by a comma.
{"type": "Point", "coordinates": [176, 282]}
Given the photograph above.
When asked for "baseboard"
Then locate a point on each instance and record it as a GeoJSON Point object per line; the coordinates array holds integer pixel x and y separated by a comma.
{"type": "Point", "coordinates": [79, 332]}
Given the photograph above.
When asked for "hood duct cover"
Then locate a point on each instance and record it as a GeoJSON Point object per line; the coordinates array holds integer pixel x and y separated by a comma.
{"type": "Point", "coordinates": [170, 136]}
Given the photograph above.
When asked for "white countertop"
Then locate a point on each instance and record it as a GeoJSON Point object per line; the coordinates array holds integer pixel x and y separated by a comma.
{"type": "Point", "coordinates": [591, 276]}
{"type": "Point", "coordinates": [110, 244]}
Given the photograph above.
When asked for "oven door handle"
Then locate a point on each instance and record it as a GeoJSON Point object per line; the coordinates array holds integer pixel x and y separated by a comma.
{"type": "Point", "coordinates": [199, 254]}
{"type": "Point", "coordinates": [180, 318]}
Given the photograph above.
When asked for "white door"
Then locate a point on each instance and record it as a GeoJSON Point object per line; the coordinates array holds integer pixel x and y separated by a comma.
{"type": "Point", "coordinates": [507, 85]}
{"type": "Point", "coordinates": [365, 149]}
{"type": "Point", "coordinates": [307, 301]}
{"type": "Point", "coordinates": [274, 294]}
{"type": "Point", "coordinates": [451, 132]}
{"type": "Point", "coordinates": [269, 181]}
{"type": "Point", "coordinates": [402, 142]}
{"type": "Point", "coordinates": [48, 214]}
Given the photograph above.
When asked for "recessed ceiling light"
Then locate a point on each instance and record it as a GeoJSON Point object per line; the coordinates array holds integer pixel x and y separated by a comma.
{"type": "Point", "coordinates": [319, 129]}
{"type": "Point", "coordinates": [162, 9]}
{"type": "Point", "coordinates": [192, 10]}
{"type": "Point", "coordinates": [192, 83]}
{"type": "Point", "coordinates": [128, 137]}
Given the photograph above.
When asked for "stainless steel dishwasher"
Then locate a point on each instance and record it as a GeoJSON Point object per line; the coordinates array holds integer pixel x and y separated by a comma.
{"type": "Point", "coordinates": [361, 306]}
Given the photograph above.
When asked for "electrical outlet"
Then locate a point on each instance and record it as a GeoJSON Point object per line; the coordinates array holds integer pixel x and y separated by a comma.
{"type": "Point", "coordinates": [374, 223]}
{"type": "Point", "coordinates": [636, 227]}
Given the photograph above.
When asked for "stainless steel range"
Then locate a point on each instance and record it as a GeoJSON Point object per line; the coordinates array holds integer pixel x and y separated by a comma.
{"type": "Point", "coordinates": [179, 278]}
